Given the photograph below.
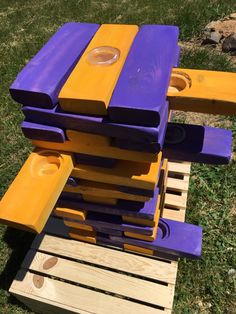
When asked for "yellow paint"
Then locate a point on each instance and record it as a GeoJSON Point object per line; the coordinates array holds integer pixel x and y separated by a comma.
{"type": "Point", "coordinates": [145, 222]}
{"type": "Point", "coordinates": [31, 197]}
{"type": "Point", "coordinates": [89, 87]}
{"type": "Point", "coordinates": [77, 225]}
{"type": "Point", "coordinates": [143, 236]}
{"type": "Point", "coordinates": [138, 249]}
{"type": "Point", "coordinates": [70, 213]}
{"type": "Point", "coordinates": [103, 190]}
{"type": "Point", "coordinates": [203, 91]}
{"type": "Point", "coordinates": [95, 145]}
{"type": "Point", "coordinates": [99, 200]}
{"type": "Point", "coordinates": [83, 235]}
{"type": "Point", "coordinates": [126, 173]}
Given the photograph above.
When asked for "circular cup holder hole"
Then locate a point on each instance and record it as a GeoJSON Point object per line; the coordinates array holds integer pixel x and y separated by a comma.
{"type": "Point", "coordinates": [104, 55]}
{"type": "Point", "coordinates": [175, 134]}
{"type": "Point", "coordinates": [46, 163]}
{"type": "Point", "coordinates": [178, 83]}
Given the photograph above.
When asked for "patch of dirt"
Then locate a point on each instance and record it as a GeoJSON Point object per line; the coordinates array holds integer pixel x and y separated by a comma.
{"type": "Point", "coordinates": [226, 26]}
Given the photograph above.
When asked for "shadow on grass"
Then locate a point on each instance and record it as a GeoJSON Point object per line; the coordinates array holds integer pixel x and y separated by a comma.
{"type": "Point", "coordinates": [19, 242]}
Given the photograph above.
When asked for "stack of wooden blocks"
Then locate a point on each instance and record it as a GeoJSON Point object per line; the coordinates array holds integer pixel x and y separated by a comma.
{"type": "Point", "coordinates": [97, 102]}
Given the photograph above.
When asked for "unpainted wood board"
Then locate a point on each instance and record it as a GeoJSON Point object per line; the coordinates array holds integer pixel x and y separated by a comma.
{"type": "Point", "coordinates": [179, 185]}
{"type": "Point", "coordinates": [178, 215]}
{"type": "Point", "coordinates": [180, 168]}
{"type": "Point", "coordinates": [83, 300]}
{"type": "Point", "coordinates": [110, 258]}
{"type": "Point", "coordinates": [176, 201]}
{"type": "Point", "coordinates": [99, 278]}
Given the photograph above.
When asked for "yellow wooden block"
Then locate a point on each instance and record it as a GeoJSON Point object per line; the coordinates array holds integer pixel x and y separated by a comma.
{"type": "Point", "coordinates": [70, 213]}
{"type": "Point", "coordinates": [103, 190]}
{"type": "Point", "coordinates": [99, 200]}
{"type": "Point", "coordinates": [90, 85]}
{"type": "Point", "coordinates": [77, 225]}
{"type": "Point", "coordinates": [203, 91]}
{"type": "Point", "coordinates": [95, 145]}
{"type": "Point", "coordinates": [145, 222]}
{"type": "Point", "coordinates": [83, 235]}
{"type": "Point", "coordinates": [143, 236]}
{"type": "Point", "coordinates": [138, 249]}
{"type": "Point", "coordinates": [126, 173]}
{"type": "Point", "coordinates": [31, 197]}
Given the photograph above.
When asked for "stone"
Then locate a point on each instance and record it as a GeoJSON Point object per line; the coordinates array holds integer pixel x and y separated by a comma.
{"type": "Point", "coordinates": [212, 38]}
{"type": "Point", "coordinates": [229, 44]}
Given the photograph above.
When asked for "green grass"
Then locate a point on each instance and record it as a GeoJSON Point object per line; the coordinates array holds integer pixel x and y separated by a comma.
{"type": "Point", "coordinates": [202, 286]}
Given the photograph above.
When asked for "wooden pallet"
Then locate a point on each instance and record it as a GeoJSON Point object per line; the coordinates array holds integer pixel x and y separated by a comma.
{"type": "Point", "coordinates": [60, 275]}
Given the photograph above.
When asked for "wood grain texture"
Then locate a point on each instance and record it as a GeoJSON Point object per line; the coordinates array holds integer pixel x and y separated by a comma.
{"type": "Point", "coordinates": [208, 92]}
{"type": "Point", "coordinates": [40, 81]}
{"type": "Point", "coordinates": [140, 93]}
{"type": "Point", "coordinates": [95, 145]}
{"type": "Point", "coordinates": [37, 186]}
{"type": "Point", "coordinates": [80, 93]}
{"type": "Point", "coordinates": [126, 173]}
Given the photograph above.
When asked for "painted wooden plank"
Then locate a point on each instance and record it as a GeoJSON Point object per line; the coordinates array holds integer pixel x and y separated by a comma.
{"type": "Point", "coordinates": [113, 222]}
{"type": "Point", "coordinates": [203, 91]}
{"type": "Point", "coordinates": [42, 132]}
{"type": "Point", "coordinates": [44, 171]}
{"type": "Point", "coordinates": [95, 161]}
{"type": "Point", "coordinates": [123, 207]}
{"type": "Point", "coordinates": [102, 279]}
{"type": "Point", "coordinates": [83, 300]}
{"type": "Point", "coordinates": [39, 83]}
{"type": "Point", "coordinates": [83, 235]}
{"type": "Point", "coordinates": [113, 259]}
{"type": "Point", "coordinates": [125, 173]}
{"type": "Point", "coordinates": [95, 145]}
{"type": "Point", "coordinates": [91, 124]}
{"type": "Point", "coordinates": [177, 238]}
{"type": "Point", "coordinates": [99, 199]}
{"type": "Point", "coordinates": [100, 189]}
{"type": "Point", "coordinates": [140, 92]}
{"type": "Point", "coordinates": [90, 85]}
{"type": "Point", "coordinates": [134, 248]}
{"type": "Point", "coordinates": [197, 143]}
{"type": "Point", "coordinates": [143, 237]}
{"type": "Point", "coordinates": [153, 147]}
{"type": "Point", "coordinates": [70, 213]}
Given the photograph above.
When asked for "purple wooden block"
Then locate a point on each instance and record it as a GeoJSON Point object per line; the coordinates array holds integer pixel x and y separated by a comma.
{"type": "Point", "coordinates": [197, 143]}
{"type": "Point", "coordinates": [107, 221]}
{"type": "Point", "coordinates": [91, 124]}
{"type": "Point", "coordinates": [39, 83]}
{"type": "Point", "coordinates": [176, 57]}
{"type": "Point", "coordinates": [96, 161]}
{"type": "Point", "coordinates": [123, 208]}
{"type": "Point", "coordinates": [140, 92]}
{"type": "Point", "coordinates": [173, 237]}
{"type": "Point", "coordinates": [153, 147]}
{"type": "Point", "coordinates": [42, 132]}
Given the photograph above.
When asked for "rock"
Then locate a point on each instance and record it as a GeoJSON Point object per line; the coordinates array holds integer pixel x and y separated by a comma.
{"type": "Point", "coordinates": [232, 16]}
{"type": "Point", "coordinates": [211, 26]}
{"type": "Point", "coordinates": [229, 44]}
{"type": "Point", "coordinates": [212, 38]}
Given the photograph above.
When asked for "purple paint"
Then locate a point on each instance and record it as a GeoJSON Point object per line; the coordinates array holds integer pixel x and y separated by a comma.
{"type": "Point", "coordinates": [42, 132]}
{"type": "Point", "coordinates": [40, 81]}
{"type": "Point", "coordinates": [91, 124]}
{"type": "Point", "coordinates": [153, 147]}
{"type": "Point", "coordinates": [140, 93]}
{"type": "Point", "coordinates": [176, 57]}
{"type": "Point", "coordinates": [197, 143]}
{"type": "Point", "coordinates": [107, 221]}
{"type": "Point", "coordinates": [96, 161]}
{"type": "Point", "coordinates": [123, 208]}
{"type": "Point", "coordinates": [173, 237]}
